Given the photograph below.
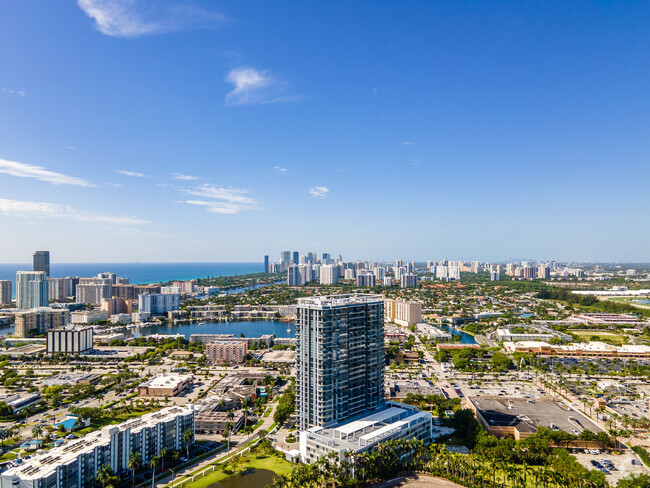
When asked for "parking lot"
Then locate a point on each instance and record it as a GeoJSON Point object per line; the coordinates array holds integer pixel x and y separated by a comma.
{"type": "Point", "coordinates": [622, 464]}
{"type": "Point", "coordinates": [510, 389]}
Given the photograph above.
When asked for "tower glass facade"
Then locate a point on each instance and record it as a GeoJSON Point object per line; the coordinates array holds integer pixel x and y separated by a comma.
{"type": "Point", "coordinates": [340, 358]}
{"type": "Point", "coordinates": [42, 262]}
{"type": "Point", "coordinates": [32, 289]}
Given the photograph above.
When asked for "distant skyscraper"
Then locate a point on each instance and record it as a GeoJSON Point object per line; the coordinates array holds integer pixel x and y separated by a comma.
{"type": "Point", "coordinates": [5, 292]}
{"type": "Point", "coordinates": [409, 280]}
{"type": "Point", "coordinates": [285, 259]}
{"type": "Point", "coordinates": [31, 289]}
{"type": "Point", "coordinates": [42, 262]}
{"type": "Point", "coordinates": [266, 264]}
{"type": "Point", "coordinates": [340, 358]}
{"type": "Point", "coordinates": [326, 257]}
{"type": "Point", "coordinates": [329, 274]}
{"type": "Point", "coordinates": [366, 279]}
{"type": "Point", "coordinates": [294, 277]}
{"type": "Point", "coordinates": [296, 257]}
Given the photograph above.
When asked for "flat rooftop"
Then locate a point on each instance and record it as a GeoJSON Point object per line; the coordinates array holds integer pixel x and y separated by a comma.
{"type": "Point", "coordinates": [329, 301]}
{"type": "Point", "coordinates": [528, 417]}
{"type": "Point", "coordinates": [368, 428]}
{"type": "Point", "coordinates": [44, 464]}
{"type": "Point", "coordinates": [166, 381]}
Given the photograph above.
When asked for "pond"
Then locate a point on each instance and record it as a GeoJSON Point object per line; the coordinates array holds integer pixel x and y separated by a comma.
{"type": "Point", "coordinates": [253, 478]}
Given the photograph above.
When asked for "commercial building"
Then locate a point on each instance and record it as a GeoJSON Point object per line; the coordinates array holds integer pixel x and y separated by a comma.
{"type": "Point", "coordinates": [519, 418]}
{"type": "Point", "coordinates": [88, 316]}
{"type": "Point", "coordinates": [77, 463]}
{"type": "Point", "coordinates": [158, 303]}
{"type": "Point", "coordinates": [263, 341]}
{"type": "Point", "coordinates": [392, 422]}
{"type": "Point", "coordinates": [433, 333]}
{"type": "Point", "coordinates": [69, 341]}
{"type": "Point", "coordinates": [39, 320]}
{"type": "Point", "coordinates": [227, 352]}
{"type": "Point", "coordinates": [403, 312]}
{"type": "Point", "coordinates": [507, 335]}
{"type": "Point", "coordinates": [42, 262]}
{"type": "Point", "coordinates": [5, 292]}
{"type": "Point", "coordinates": [31, 290]}
{"type": "Point", "coordinates": [166, 385]}
{"type": "Point", "coordinates": [266, 264]}
{"type": "Point", "coordinates": [340, 358]}
{"type": "Point", "coordinates": [591, 349]}
{"type": "Point", "coordinates": [209, 419]}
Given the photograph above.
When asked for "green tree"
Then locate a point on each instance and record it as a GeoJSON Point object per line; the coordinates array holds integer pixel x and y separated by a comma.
{"type": "Point", "coordinates": [135, 463]}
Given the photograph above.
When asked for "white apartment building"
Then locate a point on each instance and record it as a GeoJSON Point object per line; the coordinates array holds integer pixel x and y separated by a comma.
{"type": "Point", "coordinates": [158, 303]}
{"type": "Point", "coordinates": [77, 463]}
{"type": "Point", "coordinates": [329, 274]}
{"type": "Point", "coordinates": [31, 290]}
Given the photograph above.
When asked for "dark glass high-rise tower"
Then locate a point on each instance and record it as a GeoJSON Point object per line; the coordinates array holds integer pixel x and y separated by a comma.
{"type": "Point", "coordinates": [42, 262]}
{"type": "Point", "coordinates": [340, 358]}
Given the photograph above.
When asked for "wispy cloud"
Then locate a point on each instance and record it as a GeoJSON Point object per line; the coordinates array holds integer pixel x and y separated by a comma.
{"type": "Point", "coordinates": [129, 18]}
{"type": "Point", "coordinates": [115, 185]}
{"type": "Point", "coordinates": [319, 191]}
{"type": "Point", "coordinates": [20, 93]}
{"type": "Point", "coordinates": [223, 200]}
{"type": "Point", "coordinates": [408, 143]}
{"type": "Point", "coordinates": [131, 173]}
{"type": "Point", "coordinates": [280, 169]}
{"type": "Point", "coordinates": [179, 176]}
{"type": "Point", "coordinates": [18, 208]}
{"type": "Point", "coordinates": [23, 170]}
{"type": "Point", "coordinates": [257, 86]}
{"type": "Point", "coordinates": [71, 148]}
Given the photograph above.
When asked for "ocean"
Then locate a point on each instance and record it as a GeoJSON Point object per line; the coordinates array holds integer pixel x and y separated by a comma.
{"type": "Point", "coordinates": [138, 273]}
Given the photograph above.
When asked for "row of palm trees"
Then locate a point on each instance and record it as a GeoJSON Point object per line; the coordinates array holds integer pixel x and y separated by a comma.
{"type": "Point", "coordinates": [473, 471]}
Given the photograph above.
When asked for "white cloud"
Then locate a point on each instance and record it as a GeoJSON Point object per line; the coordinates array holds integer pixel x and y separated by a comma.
{"type": "Point", "coordinates": [130, 18]}
{"type": "Point", "coordinates": [254, 86]}
{"type": "Point", "coordinates": [20, 93]}
{"type": "Point", "coordinates": [319, 191]}
{"type": "Point", "coordinates": [221, 199]}
{"type": "Point", "coordinates": [179, 176]}
{"type": "Point", "coordinates": [408, 143]}
{"type": "Point", "coordinates": [23, 170]}
{"type": "Point", "coordinates": [280, 169]}
{"type": "Point", "coordinates": [71, 148]}
{"type": "Point", "coordinates": [18, 208]}
{"type": "Point", "coordinates": [132, 173]}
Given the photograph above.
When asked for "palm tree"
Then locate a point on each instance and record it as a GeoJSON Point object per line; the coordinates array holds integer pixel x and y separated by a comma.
{"type": "Point", "coordinates": [99, 396]}
{"type": "Point", "coordinates": [135, 463]}
{"type": "Point", "coordinates": [153, 462]}
{"type": "Point", "coordinates": [104, 474]}
{"type": "Point", "coordinates": [4, 434]}
{"type": "Point", "coordinates": [37, 430]}
{"type": "Point", "coordinates": [188, 437]}
{"type": "Point", "coordinates": [163, 454]}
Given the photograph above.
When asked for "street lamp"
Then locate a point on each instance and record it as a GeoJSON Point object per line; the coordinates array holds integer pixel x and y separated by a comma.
{"type": "Point", "coordinates": [173, 474]}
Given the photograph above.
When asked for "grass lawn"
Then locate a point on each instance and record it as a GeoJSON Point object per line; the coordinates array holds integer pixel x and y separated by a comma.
{"type": "Point", "coordinates": [273, 463]}
{"type": "Point", "coordinates": [588, 334]}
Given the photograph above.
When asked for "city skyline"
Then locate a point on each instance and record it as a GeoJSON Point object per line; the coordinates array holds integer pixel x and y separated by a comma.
{"type": "Point", "coordinates": [148, 131]}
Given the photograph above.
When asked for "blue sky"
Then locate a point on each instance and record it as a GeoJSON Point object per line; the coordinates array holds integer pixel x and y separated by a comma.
{"type": "Point", "coordinates": [221, 131]}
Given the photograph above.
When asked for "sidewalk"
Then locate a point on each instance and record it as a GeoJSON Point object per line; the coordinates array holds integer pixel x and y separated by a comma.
{"type": "Point", "coordinates": [237, 442]}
